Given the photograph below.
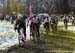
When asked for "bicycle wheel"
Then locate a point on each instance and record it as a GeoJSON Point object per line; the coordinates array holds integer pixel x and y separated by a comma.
{"type": "Point", "coordinates": [19, 39]}
{"type": "Point", "coordinates": [34, 35]}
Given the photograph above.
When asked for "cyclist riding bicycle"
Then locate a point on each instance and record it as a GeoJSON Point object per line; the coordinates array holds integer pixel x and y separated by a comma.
{"type": "Point", "coordinates": [46, 23]}
{"type": "Point", "coordinates": [36, 26]}
{"type": "Point", "coordinates": [20, 24]}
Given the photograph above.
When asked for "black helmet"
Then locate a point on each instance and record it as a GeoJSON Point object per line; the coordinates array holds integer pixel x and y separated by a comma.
{"type": "Point", "coordinates": [34, 15]}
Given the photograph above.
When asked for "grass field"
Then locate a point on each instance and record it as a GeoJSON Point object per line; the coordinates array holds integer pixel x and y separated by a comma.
{"type": "Point", "coordinates": [62, 41]}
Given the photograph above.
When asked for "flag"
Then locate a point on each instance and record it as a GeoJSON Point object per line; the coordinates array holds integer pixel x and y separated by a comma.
{"type": "Point", "coordinates": [30, 9]}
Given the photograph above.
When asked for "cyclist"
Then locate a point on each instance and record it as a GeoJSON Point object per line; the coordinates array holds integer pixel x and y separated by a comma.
{"type": "Point", "coordinates": [46, 23]}
{"type": "Point", "coordinates": [36, 26]}
{"type": "Point", "coordinates": [53, 23]}
{"type": "Point", "coordinates": [66, 19]}
{"type": "Point", "coordinates": [20, 24]}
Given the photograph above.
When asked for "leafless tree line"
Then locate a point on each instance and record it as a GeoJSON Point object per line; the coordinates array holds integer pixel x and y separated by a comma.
{"type": "Point", "coordinates": [41, 6]}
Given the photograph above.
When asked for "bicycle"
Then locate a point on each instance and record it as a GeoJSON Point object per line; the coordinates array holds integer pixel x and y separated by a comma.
{"type": "Point", "coordinates": [21, 37]}
{"type": "Point", "coordinates": [46, 26]}
{"type": "Point", "coordinates": [34, 34]}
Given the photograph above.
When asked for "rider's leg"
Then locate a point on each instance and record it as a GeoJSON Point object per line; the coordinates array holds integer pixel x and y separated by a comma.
{"type": "Point", "coordinates": [47, 24]}
{"type": "Point", "coordinates": [65, 24]}
{"type": "Point", "coordinates": [18, 30]}
{"type": "Point", "coordinates": [52, 27]}
{"type": "Point", "coordinates": [72, 22]}
{"type": "Point", "coordinates": [19, 35]}
{"type": "Point", "coordinates": [55, 27]}
{"type": "Point", "coordinates": [34, 39]}
{"type": "Point", "coordinates": [38, 32]}
{"type": "Point", "coordinates": [32, 33]}
{"type": "Point", "coordinates": [33, 29]}
{"type": "Point", "coordinates": [24, 32]}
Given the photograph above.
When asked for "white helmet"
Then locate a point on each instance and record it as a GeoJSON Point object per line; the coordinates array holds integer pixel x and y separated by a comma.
{"type": "Point", "coordinates": [19, 16]}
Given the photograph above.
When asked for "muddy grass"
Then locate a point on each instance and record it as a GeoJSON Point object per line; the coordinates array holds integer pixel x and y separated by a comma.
{"type": "Point", "coordinates": [59, 42]}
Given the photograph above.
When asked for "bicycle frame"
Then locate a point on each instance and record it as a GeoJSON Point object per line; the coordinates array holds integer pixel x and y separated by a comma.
{"type": "Point", "coordinates": [21, 37]}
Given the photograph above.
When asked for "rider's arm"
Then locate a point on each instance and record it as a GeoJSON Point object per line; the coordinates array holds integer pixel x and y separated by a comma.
{"type": "Point", "coordinates": [27, 21]}
{"type": "Point", "coordinates": [16, 23]}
